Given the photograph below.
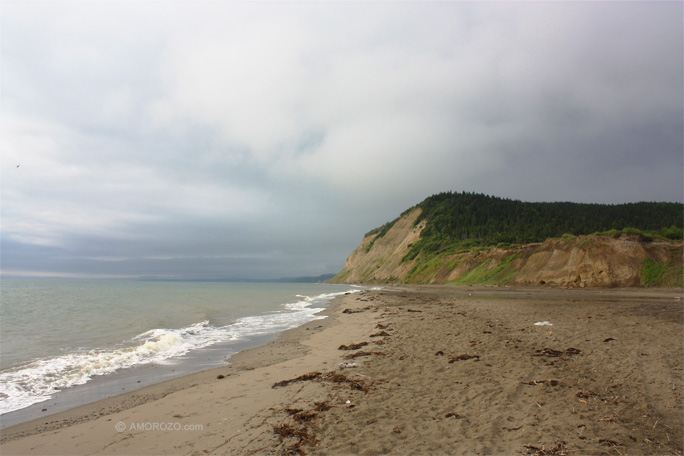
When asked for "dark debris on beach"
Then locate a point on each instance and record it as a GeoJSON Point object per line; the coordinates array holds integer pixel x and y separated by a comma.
{"type": "Point", "coordinates": [333, 377]}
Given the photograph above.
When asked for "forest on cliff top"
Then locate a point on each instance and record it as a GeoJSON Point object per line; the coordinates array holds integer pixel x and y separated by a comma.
{"type": "Point", "coordinates": [462, 221]}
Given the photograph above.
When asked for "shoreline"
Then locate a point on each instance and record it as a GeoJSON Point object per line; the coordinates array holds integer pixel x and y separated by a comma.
{"type": "Point", "coordinates": [242, 332]}
{"type": "Point", "coordinates": [249, 358]}
{"type": "Point", "coordinates": [487, 392]}
{"type": "Point", "coordinates": [131, 380]}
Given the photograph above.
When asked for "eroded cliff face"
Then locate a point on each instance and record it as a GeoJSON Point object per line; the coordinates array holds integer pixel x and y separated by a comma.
{"type": "Point", "coordinates": [594, 261]}
{"type": "Point", "coordinates": [379, 259]}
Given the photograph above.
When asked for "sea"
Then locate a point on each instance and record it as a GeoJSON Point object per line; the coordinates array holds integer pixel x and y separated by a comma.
{"type": "Point", "coordinates": [59, 336]}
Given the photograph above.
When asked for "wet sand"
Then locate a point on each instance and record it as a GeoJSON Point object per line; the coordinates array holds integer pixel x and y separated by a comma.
{"type": "Point", "coordinates": [429, 370]}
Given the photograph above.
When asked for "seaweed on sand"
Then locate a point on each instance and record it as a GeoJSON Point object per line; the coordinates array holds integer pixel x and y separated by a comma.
{"type": "Point", "coordinates": [558, 450]}
{"type": "Point", "coordinates": [355, 384]}
{"type": "Point", "coordinates": [363, 353]}
{"type": "Point", "coordinates": [551, 353]}
{"type": "Point", "coordinates": [333, 377]}
{"type": "Point", "coordinates": [352, 346]}
{"type": "Point", "coordinates": [322, 406]}
{"type": "Point", "coordinates": [297, 432]}
{"type": "Point", "coordinates": [301, 378]}
{"type": "Point", "coordinates": [463, 357]}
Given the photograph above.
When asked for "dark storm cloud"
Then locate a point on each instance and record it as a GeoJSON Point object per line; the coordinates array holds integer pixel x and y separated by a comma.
{"type": "Point", "coordinates": [226, 139]}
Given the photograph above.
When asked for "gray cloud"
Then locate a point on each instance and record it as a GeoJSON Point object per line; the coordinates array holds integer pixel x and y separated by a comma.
{"type": "Point", "coordinates": [259, 140]}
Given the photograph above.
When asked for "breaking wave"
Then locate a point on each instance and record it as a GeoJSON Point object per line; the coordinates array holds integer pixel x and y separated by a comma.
{"type": "Point", "coordinates": [38, 380]}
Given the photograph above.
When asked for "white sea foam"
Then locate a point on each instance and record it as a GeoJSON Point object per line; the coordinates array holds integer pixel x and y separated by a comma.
{"type": "Point", "coordinates": [38, 380]}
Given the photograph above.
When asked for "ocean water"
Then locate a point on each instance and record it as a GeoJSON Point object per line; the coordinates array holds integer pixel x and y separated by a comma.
{"type": "Point", "coordinates": [57, 334]}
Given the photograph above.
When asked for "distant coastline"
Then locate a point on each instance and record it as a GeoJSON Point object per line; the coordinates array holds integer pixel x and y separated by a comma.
{"type": "Point", "coordinates": [306, 279]}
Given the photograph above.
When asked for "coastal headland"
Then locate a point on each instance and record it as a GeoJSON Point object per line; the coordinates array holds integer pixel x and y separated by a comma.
{"type": "Point", "coordinates": [417, 370]}
{"type": "Point", "coordinates": [440, 241]}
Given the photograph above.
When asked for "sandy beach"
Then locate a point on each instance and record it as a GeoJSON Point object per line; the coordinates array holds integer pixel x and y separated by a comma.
{"type": "Point", "coordinates": [417, 370]}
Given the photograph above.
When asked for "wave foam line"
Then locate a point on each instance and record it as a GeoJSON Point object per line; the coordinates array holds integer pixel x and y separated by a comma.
{"type": "Point", "coordinates": [39, 380]}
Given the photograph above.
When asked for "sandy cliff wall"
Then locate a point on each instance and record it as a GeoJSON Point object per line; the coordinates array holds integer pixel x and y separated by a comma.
{"type": "Point", "coordinates": [379, 259]}
{"type": "Point", "coordinates": [596, 260]}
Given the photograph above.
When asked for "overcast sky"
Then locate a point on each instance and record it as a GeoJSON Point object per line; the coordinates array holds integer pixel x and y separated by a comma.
{"type": "Point", "coordinates": [234, 139]}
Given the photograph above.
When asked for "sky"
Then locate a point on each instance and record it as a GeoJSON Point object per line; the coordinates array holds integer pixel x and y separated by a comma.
{"type": "Point", "coordinates": [215, 139]}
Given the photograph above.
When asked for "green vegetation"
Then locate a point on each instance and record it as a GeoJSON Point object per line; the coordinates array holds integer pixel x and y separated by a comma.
{"type": "Point", "coordinates": [568, 237]}
{"type": "Point", "coordinates": [652, 272]}
{"type": "Point", "coordinates": [342, 276]}
{"type": "Point", "coordinates": [484, 275]}
{"type": "Point", "coordinates": [655, 274]}
{"type": "Point", "coordinates": [382, 230]}
{"type": "Point", "coordinates": [465, 221]}
{"type": "Point", "coordinates": [673, 232]}
{"type": "Point", "coordinates": [423, 271]}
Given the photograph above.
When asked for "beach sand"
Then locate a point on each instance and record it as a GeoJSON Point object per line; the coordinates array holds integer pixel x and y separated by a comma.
{"type": "Point", "coordinates": [440, 371]}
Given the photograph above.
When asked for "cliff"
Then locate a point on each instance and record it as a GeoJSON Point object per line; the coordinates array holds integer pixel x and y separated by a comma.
{"type": "Point", "coordinates": [597, 260]}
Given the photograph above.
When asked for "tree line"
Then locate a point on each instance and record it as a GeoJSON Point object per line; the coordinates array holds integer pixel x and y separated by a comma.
{"type": "Point", "coordinates": [466, 220]}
